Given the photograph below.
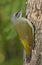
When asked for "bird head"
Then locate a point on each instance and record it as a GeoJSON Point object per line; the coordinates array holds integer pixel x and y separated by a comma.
{"type": "Point", "coordinates": [16, 16]}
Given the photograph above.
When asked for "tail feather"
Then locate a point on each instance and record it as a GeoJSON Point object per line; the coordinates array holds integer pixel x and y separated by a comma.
{"type": "Point", "coordinates": [28, 57]}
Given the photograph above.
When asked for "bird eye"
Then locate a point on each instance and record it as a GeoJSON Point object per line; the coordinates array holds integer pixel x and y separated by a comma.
{"type": "Point", "coordinates": [16, 14]}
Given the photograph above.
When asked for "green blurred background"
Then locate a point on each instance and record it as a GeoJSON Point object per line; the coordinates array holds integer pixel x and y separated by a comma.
{"type": "Point", "coordinates": [11, 50]}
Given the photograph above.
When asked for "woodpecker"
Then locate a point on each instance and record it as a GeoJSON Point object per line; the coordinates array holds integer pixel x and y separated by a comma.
{"type": "Point", "coordinates": [25, 31]}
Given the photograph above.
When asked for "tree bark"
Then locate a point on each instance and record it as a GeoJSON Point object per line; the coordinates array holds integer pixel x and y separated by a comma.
{"type": "Point", "coordinates": [34, 14]}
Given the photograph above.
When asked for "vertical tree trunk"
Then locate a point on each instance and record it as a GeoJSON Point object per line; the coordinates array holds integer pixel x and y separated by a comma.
{"type": "Point", "coordinates": [34, 14]}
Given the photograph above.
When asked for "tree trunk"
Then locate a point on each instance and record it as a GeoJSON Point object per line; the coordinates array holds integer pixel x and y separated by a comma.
{"type": "Point", "coordinates": [34, 14]}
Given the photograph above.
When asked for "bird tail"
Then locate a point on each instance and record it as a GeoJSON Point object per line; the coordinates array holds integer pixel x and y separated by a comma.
{"type": "Point", "coordinates": [28, 57]}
